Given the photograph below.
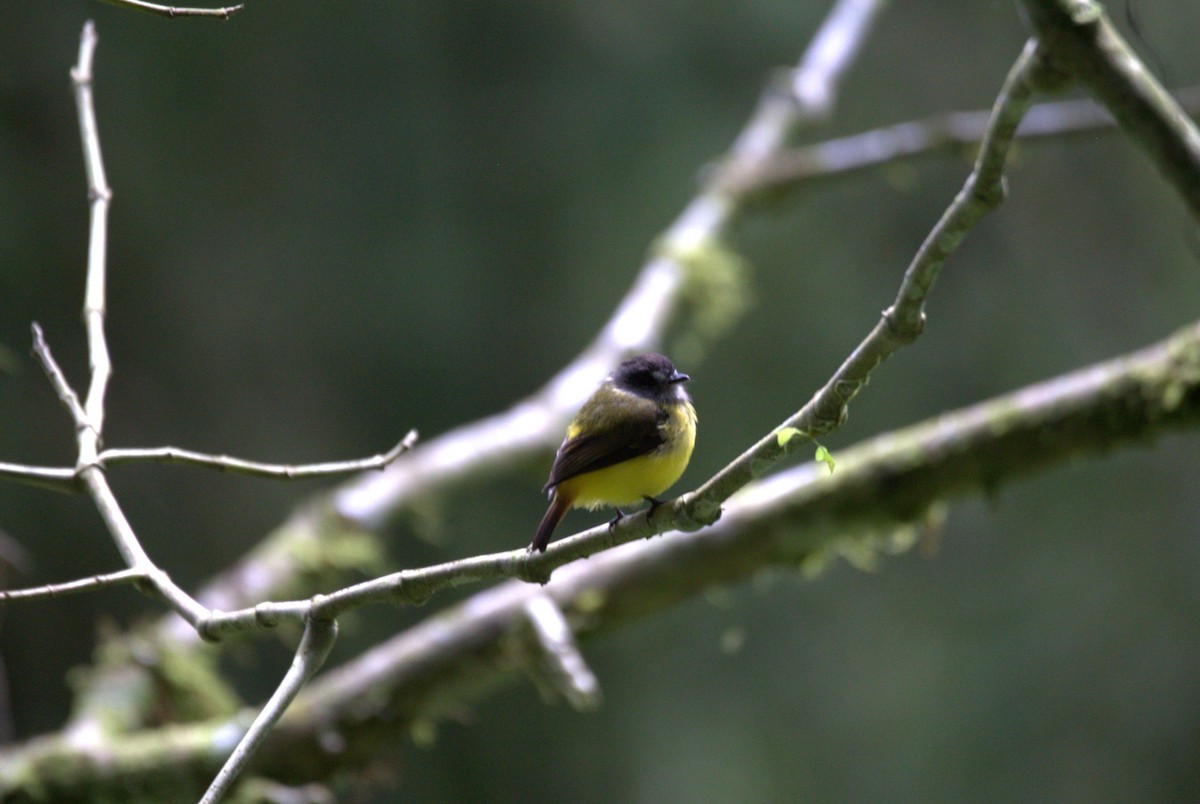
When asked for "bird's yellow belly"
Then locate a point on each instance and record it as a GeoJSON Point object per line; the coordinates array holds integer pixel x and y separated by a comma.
{"type": "Point", "coordinates": [647, 475]}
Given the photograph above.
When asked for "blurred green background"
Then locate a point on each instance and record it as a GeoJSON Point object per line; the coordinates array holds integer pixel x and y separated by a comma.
{"type": "Point", "coordinates": [336, 221]}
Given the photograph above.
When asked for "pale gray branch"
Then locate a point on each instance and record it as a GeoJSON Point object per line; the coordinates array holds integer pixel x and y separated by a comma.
{"type": "Point", "coordinates": [799, 166]}
{"type": "Point", "coordinates": [558, 658]}
{"type": "Point", "coordinates": [179, 11]}
{"type": "Point", "coordinates": [58, 380]}
{"type": "Point", "coordinates": [314, 647]}
{"type": "Point", "coordinates": [48, 477]}
{"type": "Point", "coordinates": [88, 416]}
{"type": "Point", "coordinates": [225, 463]}
{"type": "Point", "coordinates": [96, 582]}
{"type": "Point", "coordinates": [94, 295]}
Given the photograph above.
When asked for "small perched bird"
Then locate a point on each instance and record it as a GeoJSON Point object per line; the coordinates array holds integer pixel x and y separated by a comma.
{"type": "Point", "coordinates": [629, 442]}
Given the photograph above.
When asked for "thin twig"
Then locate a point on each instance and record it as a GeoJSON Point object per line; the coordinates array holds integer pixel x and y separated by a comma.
{"type": "Point", "coordinates": [983, 191]}
{"type": "Point", "coordinates": [58, 380]}
{"type": "Point", "coordinates": [47, 477]}
{"type": "Point", "coordinates": [92, 584]}
{"type": "Point", "coordinates": [799, 166]}
{"type": "Point", "coordinates": [314, 647]}
{"type": "Point", "coordinates": [89, 418]}
{"type": "Point", "coordinates": [179, 11]}
{"type": "Point", "coordinates": [225, 463]}
{"type": "Point", "coordinates": [94, 295]}
{"type": "Point", "coordinates": [89, 473]}
{"type": "Point", "coordinates": [558, 658]}
{"type": "Point", "coordinates": [813, 86]}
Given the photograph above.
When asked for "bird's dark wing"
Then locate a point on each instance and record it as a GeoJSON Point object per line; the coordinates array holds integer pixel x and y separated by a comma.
{"type": "Point", "coordinates": [597, 447]}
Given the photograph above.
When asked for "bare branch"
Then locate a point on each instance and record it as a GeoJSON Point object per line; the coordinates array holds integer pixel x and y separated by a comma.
{"type": "Point", "coordinates": [100, 195]}
{"type": "Point", "coordinates": [812, 87]}
{"type": "Point", "coordinates": [89, 418]}
{"type": "Point", "coordinates": [984, 191]}
{"type": "Point", "coordinates": [318, 639]}
{"type": "Point", "coordinates": [58, 380]}
{"type": "Point", "coordinates": [94, 583]}
{"type": "Point", "coordinates": [799, 166]}
{"type": "Point", "coordinates": [561, 663]}
{"type": "Point", "coordinates": [831, 53]}
{"type": "Point", "coordinates": [224, 463]}
{"type": "Point", "coordinates": [47, 477]}
{"type": "Point", "coordinates": [89, 472]}
{"type": "Point", "coordinates": [179, 11]}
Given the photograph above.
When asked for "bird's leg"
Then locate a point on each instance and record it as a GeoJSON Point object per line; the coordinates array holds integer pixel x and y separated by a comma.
{"type": "Point", "coordinates": [617, 518]}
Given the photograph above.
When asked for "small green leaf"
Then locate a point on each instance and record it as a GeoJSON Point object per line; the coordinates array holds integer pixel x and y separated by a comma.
{"type": "Point", "coordinates": [825, 457]}
{"type": "Point", "coordinates": [787, 434]}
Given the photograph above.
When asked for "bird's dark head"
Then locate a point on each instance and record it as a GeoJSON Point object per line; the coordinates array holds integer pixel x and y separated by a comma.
{"type": "Point", "coordinates": [649, 375]}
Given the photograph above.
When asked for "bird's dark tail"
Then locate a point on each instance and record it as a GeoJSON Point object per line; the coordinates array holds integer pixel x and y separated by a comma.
{"type": "Point", "coordinates": [554, 514]}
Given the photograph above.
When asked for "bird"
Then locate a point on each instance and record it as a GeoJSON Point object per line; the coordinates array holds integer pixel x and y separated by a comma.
{"type": "Point", "coordinates": [629, 442]}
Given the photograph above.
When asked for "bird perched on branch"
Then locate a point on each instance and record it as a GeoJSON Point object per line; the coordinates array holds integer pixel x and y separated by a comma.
{"type": "Point", "coordinates": [629, 442]}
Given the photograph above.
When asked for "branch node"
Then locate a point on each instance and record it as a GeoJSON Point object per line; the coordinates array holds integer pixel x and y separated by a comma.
{"type": "Point", "coordinates": [207, 629]}
{"type": "Point", "coordinates": [266, 615]}
{"type": "Point", "coordinates": [989, 194]}
{"type": "Point", "coordinates": [904, 330]}
{"type": "Point", "coordinates": [531, 570]}
{"type": "Point", "coordinates": [693, 512]}
{"type": "Point", "coordinates": [402, 587]}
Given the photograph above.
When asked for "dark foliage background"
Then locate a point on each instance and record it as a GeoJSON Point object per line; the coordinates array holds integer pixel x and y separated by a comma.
{"type": "Point", "coordinates": [336, 221]}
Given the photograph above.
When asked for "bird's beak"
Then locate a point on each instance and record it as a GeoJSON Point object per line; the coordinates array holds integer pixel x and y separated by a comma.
{"type": "Point", "coordinates": [679, 377]}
